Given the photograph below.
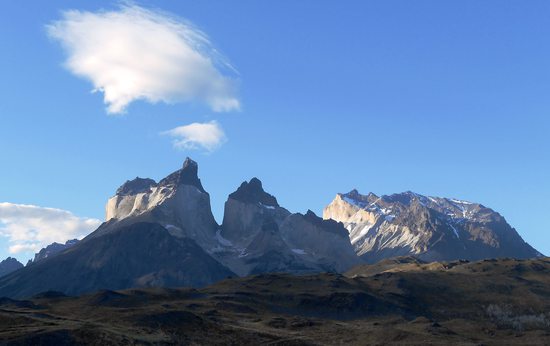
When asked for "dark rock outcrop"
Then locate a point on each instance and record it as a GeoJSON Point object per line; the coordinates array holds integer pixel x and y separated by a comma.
{"type": "Point", "coordinates": [253, 192]}
{"type": "Point", "coordinates": [53, 249]}
{"type": "Point", "coordinates": [138, 185]}
{"type": "Point", "coordinates": [9, 265]}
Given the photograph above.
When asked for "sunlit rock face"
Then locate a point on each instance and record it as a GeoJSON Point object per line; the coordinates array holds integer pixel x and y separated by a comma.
{"type": "Point", "coordinates": [134, 197]}
{"type": "Point", "coordinates": [178, 202]}
{"type": "Point", "coordinates": [431, 228]}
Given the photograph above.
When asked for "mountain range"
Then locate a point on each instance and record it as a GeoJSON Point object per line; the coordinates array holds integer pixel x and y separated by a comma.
{"type": "Point", "coordinates": [429, 228]}
{"type": "Point", "coordinates": [164, 234]}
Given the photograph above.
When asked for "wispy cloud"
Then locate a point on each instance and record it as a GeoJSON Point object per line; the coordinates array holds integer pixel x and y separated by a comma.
{"type": "Point", "coordinates": [139, 54]}
{"type": "Point", "coordinates": [30, 228]}
{"type": "Point", "coordinates": [208, 136]}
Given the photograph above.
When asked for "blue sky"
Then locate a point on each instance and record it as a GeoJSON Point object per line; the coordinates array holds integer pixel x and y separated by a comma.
{"type": "Point", "coordinates": [442, 98]}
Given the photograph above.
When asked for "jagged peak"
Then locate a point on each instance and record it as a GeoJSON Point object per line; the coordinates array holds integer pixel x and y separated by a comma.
{"type": "Point", "coordinates": [355, 194]}
{"type": "Point", "coordinates": [135, 186]}
{"type": "Point", "coordinates": [404, 198]}
{"type": "Point", "coordinates": [357, 199]}
{"type": "Point", "coordinates": [10, 259]}
{"type": "Point", "coordinates": [190, 163]}
{"type": "Point", "coordinates": [311, 214]}
{"type": "Point", "coordinates": [360, 200]}
{"type": "Point", "coordinates": [9, 265]}
{"type": "Point", "coordinates": [253, 192]}
{"type": "Point", "coordinates": [187, 175]}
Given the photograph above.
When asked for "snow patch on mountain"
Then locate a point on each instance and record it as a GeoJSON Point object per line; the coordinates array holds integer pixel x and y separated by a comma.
{"type": "Point", "coordinates": [299, 251]}
{"type": "Point", "coordinates": [454, 230]}
{"type": "Point", "coordinates": [222, 240]}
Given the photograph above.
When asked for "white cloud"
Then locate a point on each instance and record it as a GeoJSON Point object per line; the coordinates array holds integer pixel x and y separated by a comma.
{"type": "Point", "coordinates": [139, 54]}
{"type": "Point", "coordinates": [208, 136]}
{"type": "Point", "coordinates": [30, 228]}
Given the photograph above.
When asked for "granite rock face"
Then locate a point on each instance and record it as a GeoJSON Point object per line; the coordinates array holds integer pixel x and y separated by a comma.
{"type": "Point", "coordinates": [430, 228]}
{"type": "Point", "coordinates": [323, 242]}
{"type": "Point", "coordinates": [178, 202]}
{"type": "Point", "coordinates": [261, 236]}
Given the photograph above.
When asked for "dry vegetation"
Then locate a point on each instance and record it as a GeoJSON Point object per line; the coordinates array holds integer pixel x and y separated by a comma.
{"type": "Point", "coordinates": [402, 301]}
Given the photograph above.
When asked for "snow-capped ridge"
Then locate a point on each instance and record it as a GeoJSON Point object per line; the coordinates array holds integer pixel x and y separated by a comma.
{"type": "Point", "coordinates": [438, 228]}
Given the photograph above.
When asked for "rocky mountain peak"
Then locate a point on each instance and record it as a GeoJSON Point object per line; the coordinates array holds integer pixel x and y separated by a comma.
{"type": "Point", "coordinates": [357, 199]}
{"type": "Point", "coordinates": [353, 193]}
{"type": "Point", "coordinates": [405, 198]}
{"type": "Point", "coordinates": [253, 192]}
{"type": "Point", "coordinates": [9, 265]}
{"type": "Point", "coordinates": [53, 249]}
{"type": "Point", "coordinates": [179, 193]}
{"type": "Point", "coordinates": [310, 214]}
{"type": "Point", "coordinates": [187, 175]}
{"type": "Point", "coordinates": [431, 228]}
{"type": "Point", "coordinates": [189, 163]}
{"type": "Point", "coordinates": [135, 186]}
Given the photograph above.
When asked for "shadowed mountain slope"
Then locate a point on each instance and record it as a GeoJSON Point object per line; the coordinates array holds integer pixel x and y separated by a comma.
{"type": "Point", "coordinates": [139, 255]}
{"type": "Point", "coordinates": [9, 265]}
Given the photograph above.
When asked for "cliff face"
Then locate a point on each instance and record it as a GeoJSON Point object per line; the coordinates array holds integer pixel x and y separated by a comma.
{"type": "Point", "coordinates": [178, 202]}
{"type": "Point", "coordinates": [257, 234]}
{"type": "Point", "coordinates": [430, 228]}
{"type": "Point", "coordinates": [264, 237]}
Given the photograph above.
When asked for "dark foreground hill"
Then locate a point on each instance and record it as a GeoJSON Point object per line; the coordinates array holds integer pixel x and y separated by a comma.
{"type": "Point", "coordinates": [400, 301]}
